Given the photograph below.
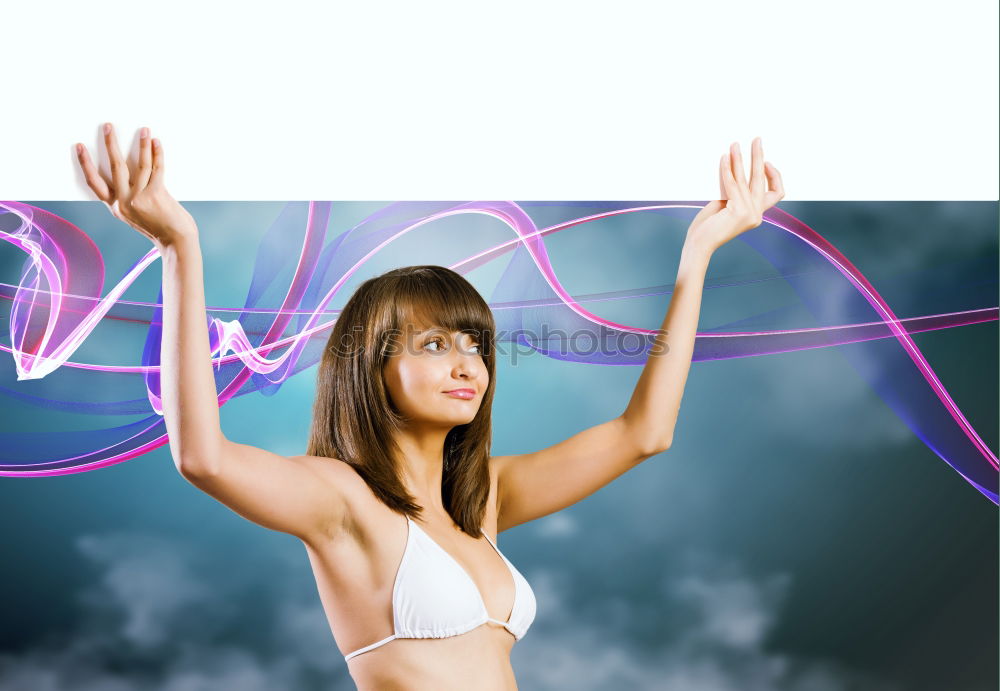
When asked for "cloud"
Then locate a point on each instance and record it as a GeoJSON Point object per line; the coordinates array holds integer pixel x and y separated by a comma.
{"type": "Point", "coordinates": [722, 648]}
{"type": "Point", "coordinates": [153, 619]}
{"type": "Point", "coordinates": [143, 581]}
{"type": "Point", "coordinates": [819, 393]}
{"type": "Point", "coordinates": [557, 525]}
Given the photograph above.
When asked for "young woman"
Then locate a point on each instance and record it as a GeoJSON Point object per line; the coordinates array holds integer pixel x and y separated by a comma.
{"type": "Point", "coordinates": [397, 499]}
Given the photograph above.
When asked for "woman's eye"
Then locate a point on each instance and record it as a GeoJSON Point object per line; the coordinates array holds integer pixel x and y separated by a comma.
{"type": "Point", "coordinates": [440, 343]}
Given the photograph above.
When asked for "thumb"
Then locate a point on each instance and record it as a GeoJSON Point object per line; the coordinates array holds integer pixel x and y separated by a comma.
{"type": "Point", "coordinates": [709, 209]}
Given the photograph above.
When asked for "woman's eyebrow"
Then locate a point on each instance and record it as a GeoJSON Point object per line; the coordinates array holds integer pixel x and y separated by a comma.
{"type": "Point", "coordinates": [474, 334]}
{"type": "Point", "coordinates": [440, 328]}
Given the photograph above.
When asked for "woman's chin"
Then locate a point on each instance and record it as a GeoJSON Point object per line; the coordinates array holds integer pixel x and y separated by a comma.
{"type": "Point", "coordinates": [443, 421]}
{"type": "Point", "coordinates": [461, 420]}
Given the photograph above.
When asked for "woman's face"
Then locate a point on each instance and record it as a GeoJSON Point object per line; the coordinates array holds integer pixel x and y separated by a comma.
{"type": "Point", "coordinates": [427, 363]}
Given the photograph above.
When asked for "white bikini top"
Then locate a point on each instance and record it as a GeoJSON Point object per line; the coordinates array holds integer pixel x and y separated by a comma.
{"type": "Point", "coordinates": [433, 596]}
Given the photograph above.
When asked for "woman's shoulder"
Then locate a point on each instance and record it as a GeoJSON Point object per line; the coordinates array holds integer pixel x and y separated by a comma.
{"type": "Point", "coordinates": [363, 515]}
{"type": "Point", "coordinates": [353, 490]}
{"type": "Point", "coordinates": [341, 473]}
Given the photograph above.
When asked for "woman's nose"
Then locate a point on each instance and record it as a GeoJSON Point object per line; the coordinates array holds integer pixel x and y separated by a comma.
{"type": "Point", "coordinates": [467, 363]}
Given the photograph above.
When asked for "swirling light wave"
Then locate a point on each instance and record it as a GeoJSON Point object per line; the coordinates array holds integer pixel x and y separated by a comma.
{"type": "Point", "coordinates": [48, 326]}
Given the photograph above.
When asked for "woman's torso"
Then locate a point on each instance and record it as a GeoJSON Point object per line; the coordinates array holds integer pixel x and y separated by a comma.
{"type": "Point", "coordinates": [355, 570]}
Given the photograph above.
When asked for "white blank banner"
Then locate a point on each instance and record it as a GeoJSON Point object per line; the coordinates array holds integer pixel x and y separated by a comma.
{"type": "Point", "coordinates": [517, 100]}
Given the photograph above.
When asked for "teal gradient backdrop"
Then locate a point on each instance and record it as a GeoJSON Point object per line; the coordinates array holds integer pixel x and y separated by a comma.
{"type": "Point", "coordinates": [797, 532]}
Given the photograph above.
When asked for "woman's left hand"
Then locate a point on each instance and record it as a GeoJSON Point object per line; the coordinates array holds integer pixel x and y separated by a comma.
{"type": "Point", "coordinates": [743, 204]}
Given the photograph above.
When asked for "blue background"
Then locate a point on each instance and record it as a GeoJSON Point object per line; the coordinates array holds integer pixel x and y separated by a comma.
{"type": "Point", "coordinates": [797, 535]}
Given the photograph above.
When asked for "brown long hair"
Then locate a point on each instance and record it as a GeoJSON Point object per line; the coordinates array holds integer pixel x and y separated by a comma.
{"type": "Point", "coordinates": [353, 415]}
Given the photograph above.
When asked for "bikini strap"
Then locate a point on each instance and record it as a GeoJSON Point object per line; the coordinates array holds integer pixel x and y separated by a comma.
{"type": "Point", "coordinates": [369, 647]}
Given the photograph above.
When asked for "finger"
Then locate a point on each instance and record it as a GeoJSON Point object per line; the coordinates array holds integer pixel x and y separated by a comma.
{"type": "Point", "coordinates": [95, 180]}
{"type": "Point", "coordinates": [757, 182]}
{"type": "Point", "coordinates": [737, 159]}
{"type": "Point", "coordinates": [728, 181]}
{"type": "Point", "coordinates": [144, 169]}
{"type": "Point", "coordinates": [707, 210]}
{"type": "Point", "coordinates": [119, 171]}
{"type": "Point", "coordinates": [722, 180]}
{"type": "Point", "coordinates": [777, 191]}
{"type": "Point", "coordinates": [156, 176]}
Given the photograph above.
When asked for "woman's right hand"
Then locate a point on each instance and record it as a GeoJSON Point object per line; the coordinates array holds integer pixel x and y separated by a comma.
{"type": "Point", "coordinates": [138, 197]}
{"type": "Point", "coordinates": [742, 204]}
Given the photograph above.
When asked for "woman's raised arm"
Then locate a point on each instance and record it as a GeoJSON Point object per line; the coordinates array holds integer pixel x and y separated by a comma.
{"type": "Point", "coordinates": [294, 495]}
{"type": "Point", "coordinates": [653, 409]}
{"type": "Point", "coordinates": [536, 484]}
{"type": "Point", "coordinates": [140, 199]}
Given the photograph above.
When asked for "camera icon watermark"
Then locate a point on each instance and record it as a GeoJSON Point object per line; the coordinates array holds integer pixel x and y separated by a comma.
{"type": "Point", "coordinates": [582, 344]}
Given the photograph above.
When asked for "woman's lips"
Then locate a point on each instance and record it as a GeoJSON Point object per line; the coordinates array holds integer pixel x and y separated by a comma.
{"type": "Point", "coordinates": [461, 393]}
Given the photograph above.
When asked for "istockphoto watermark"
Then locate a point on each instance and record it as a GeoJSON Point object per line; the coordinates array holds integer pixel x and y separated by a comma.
{"type": "Point", "coordinates": [582, 343]}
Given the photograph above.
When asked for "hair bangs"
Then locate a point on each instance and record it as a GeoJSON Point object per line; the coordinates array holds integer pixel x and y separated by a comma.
{"type": "Point", "coordinates": [443, 303]}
